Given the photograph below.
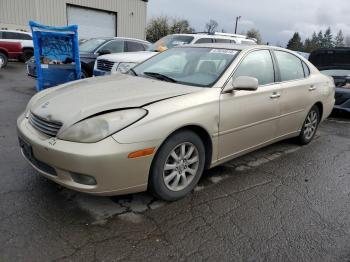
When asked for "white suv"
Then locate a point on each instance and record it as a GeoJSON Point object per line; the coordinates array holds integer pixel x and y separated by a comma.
{"type": "Point", "coordinates": [24, 38]}
{"type": "Point", "coordinates": [121, 63]}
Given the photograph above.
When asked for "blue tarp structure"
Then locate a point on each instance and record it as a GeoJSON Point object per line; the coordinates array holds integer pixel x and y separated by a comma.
{"type": "Point", "coordinates": [56, 51]}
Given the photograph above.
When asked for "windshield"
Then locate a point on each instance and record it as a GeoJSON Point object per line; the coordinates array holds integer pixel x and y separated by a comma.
{"type": "Point", "coordinates": [188, 65]}
{"type": "Point", "coordinates": [170, 41]}
{"type": "Point", "coordinates": [335, 72]}
{"type": "Point", "coordinates": [91, 45]}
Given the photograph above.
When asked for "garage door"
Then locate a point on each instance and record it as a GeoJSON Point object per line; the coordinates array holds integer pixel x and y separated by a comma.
{"type": "Point", "coordinates": [92, 23]}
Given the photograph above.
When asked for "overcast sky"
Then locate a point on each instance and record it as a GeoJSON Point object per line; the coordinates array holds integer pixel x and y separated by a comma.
{"type": "Point", "coordinates": [277, 20]}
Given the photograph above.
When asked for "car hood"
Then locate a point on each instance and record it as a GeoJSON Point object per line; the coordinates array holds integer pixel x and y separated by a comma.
{"type": "Point", "coordinates": [129, 57]}
{"type": "Point", "coordinates": [78, 100]}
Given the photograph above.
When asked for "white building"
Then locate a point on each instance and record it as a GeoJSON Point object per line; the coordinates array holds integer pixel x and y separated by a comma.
{"type": "Point", "coordinates": [95, 18]}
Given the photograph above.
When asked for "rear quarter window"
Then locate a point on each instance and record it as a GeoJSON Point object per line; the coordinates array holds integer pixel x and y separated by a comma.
{"type": "Point", "coordinates": [306, 70]}
{"type": "Point", "coordinates": [26, 37]}
{"type": "Point", "coordinates": [222, 40]}
{"type": "Point", "coordinates": [204, 41]}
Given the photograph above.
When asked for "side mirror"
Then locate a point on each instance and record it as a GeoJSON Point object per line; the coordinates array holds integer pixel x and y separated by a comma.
{"type": "Point", "coordinates": [104, 52]}
{"type": "Point", "coordinates": [242, 83]}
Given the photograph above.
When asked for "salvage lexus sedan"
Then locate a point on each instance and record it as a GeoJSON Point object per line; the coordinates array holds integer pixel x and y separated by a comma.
{"type": "Point", "coordinates": [183, 111]}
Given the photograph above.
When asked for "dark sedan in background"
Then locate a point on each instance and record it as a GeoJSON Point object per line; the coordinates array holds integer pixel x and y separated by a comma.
{"type": "Point", "coordinates": [92, 48]}
{"type": "Point", "coordinates": [335, 62]}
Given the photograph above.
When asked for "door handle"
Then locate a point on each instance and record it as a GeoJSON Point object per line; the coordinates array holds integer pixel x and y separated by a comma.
{"type": "Point", "coordinates": [275, 95]}
{"type": "Point", "coordinates": [312, 88]}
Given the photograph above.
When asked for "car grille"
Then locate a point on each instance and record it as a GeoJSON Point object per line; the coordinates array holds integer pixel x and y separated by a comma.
{"type": "Point", "coordinates": [49, 128]}
{"type": "Point", "coordinates": [104, 65]}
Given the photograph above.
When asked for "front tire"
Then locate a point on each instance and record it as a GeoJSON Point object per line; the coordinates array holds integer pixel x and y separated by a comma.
{"type": "Point", "coordinates": [177, 166]}
{"type": "Point", "coordinates": [310, 126]}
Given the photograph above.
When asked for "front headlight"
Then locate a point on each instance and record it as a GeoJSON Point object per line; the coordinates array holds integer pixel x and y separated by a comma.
{"type": "Point", "coordinates": [99, 127]}
{"type": "Point", "coordinates": [124, 67]}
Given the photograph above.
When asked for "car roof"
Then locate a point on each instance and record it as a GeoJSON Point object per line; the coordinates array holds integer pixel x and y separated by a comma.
{"type": "Point", "coordinates": [228, 46]}
{"type": "Point", "coordinates": [16, 31]}
{"type": "Point", "coordinates": [239, 47]}
{"type": "Point", "coordinates": [217, 36]}
{"type": "Point", "coordinates": [121, 38]}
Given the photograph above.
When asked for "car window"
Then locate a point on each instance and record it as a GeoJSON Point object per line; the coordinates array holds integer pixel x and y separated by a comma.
{"type": "Point", "coordinates": [257, 64]}
{"type": "Point", "coordinates": [290, 66]}
{"type": "Point", "coordinates": [0, 35]}
{"type": "Point", "coordinates": [26, 37]}
{"type": "Point", "coordinates": [10, 35]}
{"type": "Point", "coordinates": [217, 40]}
{"type": "Point", "coordinates": [114, 46]}
{"type": "Point", "coordinates": [204, 41]}
{"type": "Point", "coordinates": [134, 46]}
{"type": "Point", "coordinates": [306, 70]}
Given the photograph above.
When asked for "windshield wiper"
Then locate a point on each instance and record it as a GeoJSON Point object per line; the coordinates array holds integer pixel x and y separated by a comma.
{"type": "Point", "coordinates": [133, 71]}
{"type": "Point", "coordinates": [160, 77]}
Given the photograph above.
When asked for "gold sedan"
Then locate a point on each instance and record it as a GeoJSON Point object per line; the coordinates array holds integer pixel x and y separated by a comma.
{"type": "Point", "coordinates": [171, 117]}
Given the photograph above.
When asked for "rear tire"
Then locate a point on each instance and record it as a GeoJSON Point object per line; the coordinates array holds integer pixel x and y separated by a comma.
{"type": "Point", "coordinates": [4, 60]}
{"type": "Point", "coordinates": [177, 166]}
{"type": "Point", "coordinates": [27, 54]}
{"type": "Point", "coordinates": [310, 126]}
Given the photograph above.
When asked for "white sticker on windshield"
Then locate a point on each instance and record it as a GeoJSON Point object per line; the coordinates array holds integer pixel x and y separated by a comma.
{"type": "Point", "coordinates": [224, 51]}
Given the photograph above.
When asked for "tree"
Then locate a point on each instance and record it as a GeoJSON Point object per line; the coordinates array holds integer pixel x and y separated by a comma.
{"type": "Point", "coordinates": [181, 27]}
{"type": "Point", "coordinates": [339, 39]}
{"type": "Point", "coordinates": [157, 28]}
{"type": "Point", "coordinates": [211, 26]}
{"type": "Point", "coordinates": [254, 33]}
{"type": "Point", "coordinates": [319, 39]}
{"type": "Point", "coordinates": [311, 44]}
{"type": "Point", "coordinates": [295, 43]}
{"type": "Point", "coordinates": [347, 41]}
{"type": "Point", "coordinates": [328, 39]}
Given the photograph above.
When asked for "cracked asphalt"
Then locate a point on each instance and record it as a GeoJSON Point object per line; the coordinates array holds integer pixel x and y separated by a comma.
{"type": "Point", "coordinates": [281, 203]}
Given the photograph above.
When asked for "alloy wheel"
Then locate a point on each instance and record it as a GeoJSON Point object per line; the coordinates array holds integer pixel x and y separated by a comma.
{"type": "Point", "coordinates": [181, 166]}
{"type": "Point", "coordinates": [310, 124]}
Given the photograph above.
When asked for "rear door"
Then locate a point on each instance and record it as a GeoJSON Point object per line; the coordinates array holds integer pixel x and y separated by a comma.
{"type": "Point", "coordinates": [249, 118]}
{"type": "Point", "coordinates": [297, 92]}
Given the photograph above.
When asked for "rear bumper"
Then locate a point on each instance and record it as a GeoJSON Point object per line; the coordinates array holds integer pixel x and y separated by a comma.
{"type": "Point", "coordinates": [342, 99]}
{"type": "Point", "coordinates": [106, 161]}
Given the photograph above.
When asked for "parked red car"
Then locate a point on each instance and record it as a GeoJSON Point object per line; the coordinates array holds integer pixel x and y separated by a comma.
{"type": "Point", "coordinates": [9, 50]}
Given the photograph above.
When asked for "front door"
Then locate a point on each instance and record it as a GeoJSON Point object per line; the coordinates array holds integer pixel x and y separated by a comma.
{"type": "Point", "coordinates": [249, 118]}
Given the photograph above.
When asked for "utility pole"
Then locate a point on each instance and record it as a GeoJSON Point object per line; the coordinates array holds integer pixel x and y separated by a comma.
{"type": "Point", "coordinates": [237, 19]}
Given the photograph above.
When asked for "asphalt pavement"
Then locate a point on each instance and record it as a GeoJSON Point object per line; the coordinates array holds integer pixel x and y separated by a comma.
{"type": "Point", "coordinates": [281, 203]}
